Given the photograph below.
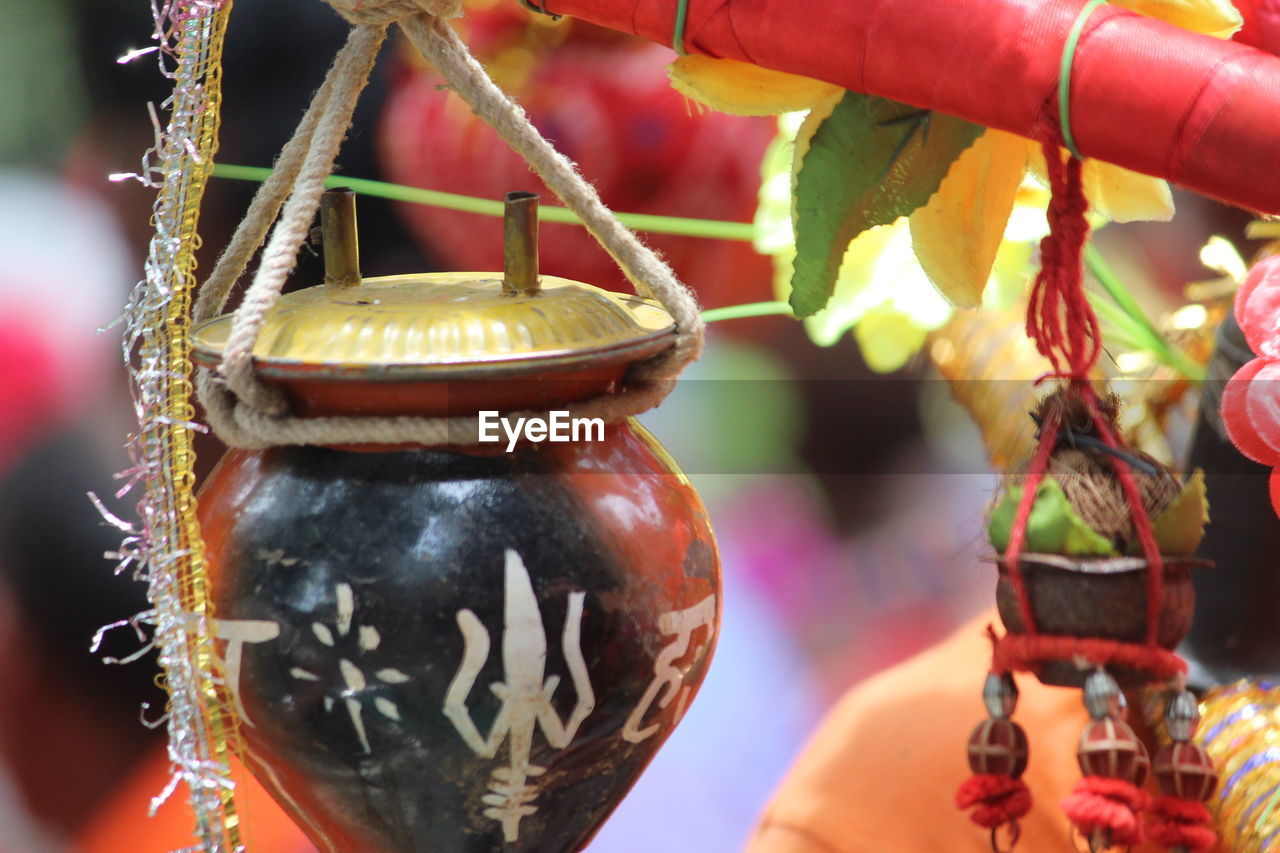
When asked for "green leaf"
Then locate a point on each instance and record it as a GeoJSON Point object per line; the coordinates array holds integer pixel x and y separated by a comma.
{"type": "Point", "coordinates": [1052, 528]}
{"type": "Point", "coordinates": [862, 162]}
{"type": "Point", "coordinates": [1179, 527]}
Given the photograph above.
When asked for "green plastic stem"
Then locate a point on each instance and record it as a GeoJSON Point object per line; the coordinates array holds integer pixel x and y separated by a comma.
{"type": "Point", "coordinates": [710, 228]}
{"type": "Point", "coordinates": [747, 309]}
{"type": "Point", "coordinates": [1139, 326]}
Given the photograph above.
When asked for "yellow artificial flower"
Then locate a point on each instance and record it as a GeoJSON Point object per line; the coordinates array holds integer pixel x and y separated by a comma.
{"type": "Point", "coordinates": [1217, 18]}
{"type": "Point", "coordinates": [741, 88]}
{"type": "Point", "coordinates": [957, 234]}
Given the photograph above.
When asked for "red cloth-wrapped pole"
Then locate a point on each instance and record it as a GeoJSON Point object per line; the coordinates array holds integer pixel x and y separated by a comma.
{"type": "Point", "coordinates": [1146, 95]}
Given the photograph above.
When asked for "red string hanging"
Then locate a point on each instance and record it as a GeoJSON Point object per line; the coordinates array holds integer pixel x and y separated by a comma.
{"type": "Point", "coordinates": [1059, 317]}
{"type": "Point", "coordinates": [1141, 523]}
{"type": "Point", "coordinates": [1018, 533]}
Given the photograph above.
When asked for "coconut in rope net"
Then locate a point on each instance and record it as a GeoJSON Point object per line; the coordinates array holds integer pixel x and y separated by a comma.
{"type": "Point", "coordinates": [463, 597]}
{"type": "Point", "coordinates": [1094, 545]}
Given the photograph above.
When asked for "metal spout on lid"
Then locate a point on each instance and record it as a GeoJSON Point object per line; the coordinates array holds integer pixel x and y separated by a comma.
{"type": "Point", "coordinates": [520, 244]}
{"type": "Point", "coordinates": [394, 333]}
{"type": "Point", "coordinates": [338, 238]}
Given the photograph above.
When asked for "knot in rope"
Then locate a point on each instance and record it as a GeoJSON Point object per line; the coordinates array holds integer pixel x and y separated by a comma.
{"type": "Point", "coordinates": [1059, 317]}
{"type": "Point", "coordinates": [385, 12]}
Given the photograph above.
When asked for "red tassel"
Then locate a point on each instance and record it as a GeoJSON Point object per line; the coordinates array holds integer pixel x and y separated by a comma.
{"type": "Point", "coordinates": [995, 800]}
{"type": "Point", "coordinates": [1107, 806]}
{"type": "Point", "coordinates": [1172, 822]}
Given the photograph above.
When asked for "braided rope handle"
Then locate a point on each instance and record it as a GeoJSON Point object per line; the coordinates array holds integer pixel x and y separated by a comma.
{"type": "Point", "coordinates": [244, 411]}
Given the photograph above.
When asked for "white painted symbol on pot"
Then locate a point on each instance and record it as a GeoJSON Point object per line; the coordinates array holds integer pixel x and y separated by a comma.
{"type": "Point", "coordinates": [681, 623]}
{"type": "Point", "coordinates": [526, 698]}
{"type": "Point", "coordinates": [237, 632]}
{"type": "Point", "coordinates": [354, 680]}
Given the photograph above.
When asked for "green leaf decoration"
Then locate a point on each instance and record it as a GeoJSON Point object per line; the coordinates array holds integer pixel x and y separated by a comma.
{"type": "Point", "coordinates": [1053, 527]}
{"type": "Point", "coordinates": [863, 161]}
{"type": "Point", "coordinates": [1179, 527]}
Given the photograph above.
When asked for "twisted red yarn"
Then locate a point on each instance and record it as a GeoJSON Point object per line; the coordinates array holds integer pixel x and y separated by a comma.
{"type": "Point", "coordinates": [1108, 805]}
{"type": "Point", "coordinates": [995, 800]}
{"type": "Point", "coordinates": [1059, 317]}
{"type": "Point", "coordinates": [1015, 652]}
{"type": "Point", "coordinates": [1173, 822]}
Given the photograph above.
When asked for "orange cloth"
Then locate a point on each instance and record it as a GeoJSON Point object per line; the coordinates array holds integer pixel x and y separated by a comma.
{"type": "Point", "coordinates": [881, 773]}
{"type": "Point", "coordinates": [122, 824]}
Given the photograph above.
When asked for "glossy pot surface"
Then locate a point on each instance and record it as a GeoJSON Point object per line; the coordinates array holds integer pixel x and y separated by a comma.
{"type": "Point", "coordinates": [466, 651]}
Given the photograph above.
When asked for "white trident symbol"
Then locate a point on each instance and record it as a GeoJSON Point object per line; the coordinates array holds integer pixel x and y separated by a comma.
{"type": "Point", "coordinates": [526, 699]}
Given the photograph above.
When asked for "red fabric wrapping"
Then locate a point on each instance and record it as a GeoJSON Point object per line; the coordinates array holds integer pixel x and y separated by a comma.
{"type": "Point", "coordinates": [1144, 94]}
{"type": "Point", "coordinates": [1024, 652]}
{"type": "Point", "coordinates": [995, 800]}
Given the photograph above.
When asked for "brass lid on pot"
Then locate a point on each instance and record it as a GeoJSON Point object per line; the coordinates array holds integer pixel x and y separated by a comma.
{"type": "Point", "coordinates": [440, 326]}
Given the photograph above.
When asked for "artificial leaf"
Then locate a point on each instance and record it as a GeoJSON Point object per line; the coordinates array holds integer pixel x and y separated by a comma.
{"type": "Point", "coordinates": [1115, 193]}
{"type": "Point", "coordinates": [887, 339]}
{"type": "Point", "coordinates": [1028, 222]}
{"type": "Point", "coordinates": [782, 261]}
{"type": "Point", "coordinates": [1212, 17]}
{"type": "Point", "coordinates": [773, 231]}
{"type": "Point", "coordinates": [879, 276]}
{"type": "Point", "coordinates": [858, 289]}
{"type": "Point", "coordinates": [862, 161]}
{"type": "Point", "coordinates": [1125, 196]}
{"type": "Point", "coordinates": [1179, 527]}
{"type": "Point", "coordinates": [957, 233]}
{"type": "Point", "coordinates": [1052, 528]}
{"type": "Point", "coordinates": [744, 89]}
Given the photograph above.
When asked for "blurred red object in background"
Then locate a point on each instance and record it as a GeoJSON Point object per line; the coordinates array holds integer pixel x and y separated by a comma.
{"type": "Point", "coordinates": [1261, 24]}
{"type": "Point", "coordinates": [604, 101]}
{"type": "Point", "coordinates": [27, 387]}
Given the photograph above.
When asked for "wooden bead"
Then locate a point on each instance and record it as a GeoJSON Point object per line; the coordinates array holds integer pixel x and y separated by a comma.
{"type": "Point", "coordinates": [998, 747]}
{"type": "Point", "coordinates": [1185, 770]}
{"type": "Point", "coordinates": [1110, 749]}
